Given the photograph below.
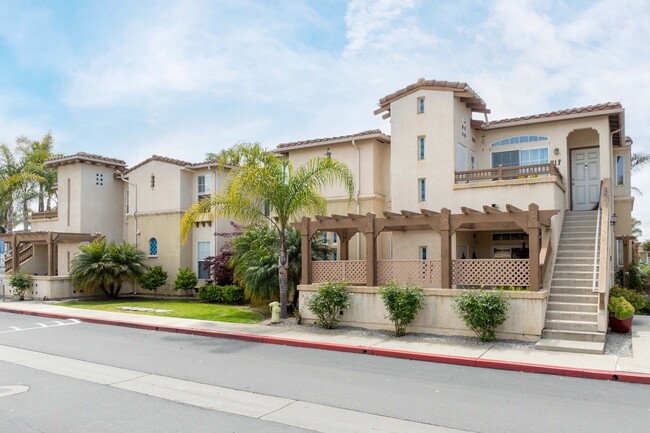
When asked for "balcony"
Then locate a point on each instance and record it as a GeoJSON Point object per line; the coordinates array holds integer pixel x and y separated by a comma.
{"type": "Point", "coordinates": [517, 173]}
{"type": "Point", "coordinates": [47, 215]}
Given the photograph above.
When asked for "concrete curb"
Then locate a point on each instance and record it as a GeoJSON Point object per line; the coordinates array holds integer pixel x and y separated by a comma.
{"type": "Point", "coordinates": [585, 373]}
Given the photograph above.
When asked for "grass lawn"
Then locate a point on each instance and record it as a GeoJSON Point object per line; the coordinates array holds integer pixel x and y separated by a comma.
{"type": "Point", "coordinates": [185, 309]}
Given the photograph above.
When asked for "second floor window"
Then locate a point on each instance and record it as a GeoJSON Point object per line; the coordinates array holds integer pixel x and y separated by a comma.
{"type": "Point", "coordinates": [203, 188]}
{"type": "Point", "coordinates": [421, 105]}
{"type": "Point", "coordinates": [423, 253]}
{"type": "Point", "coordinates": [422, 189]}
{"type": "Point", "coordinates": [421, 143]}
{"type": "Point", "coordinates": [515, 158]}
{"type": "Point", "coordinates": [620, 174]}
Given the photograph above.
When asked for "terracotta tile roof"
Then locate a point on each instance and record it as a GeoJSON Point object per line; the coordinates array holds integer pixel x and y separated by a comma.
{"type": "Point", "coordinates": [329, 139]}
{"type": "Point", "coordinates": [83, 156]}
{"type": "Point", "coordinates": [567, 112]}
{"type": "Point", "coordinates": [463, 90]}
{"type": "Point", "coordinates": [161, 159]}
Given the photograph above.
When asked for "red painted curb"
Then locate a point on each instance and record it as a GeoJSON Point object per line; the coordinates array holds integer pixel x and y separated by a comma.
{"type": "Point", "coordinates": [389, 353]}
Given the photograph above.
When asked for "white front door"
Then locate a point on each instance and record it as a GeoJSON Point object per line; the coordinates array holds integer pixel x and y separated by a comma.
{"type": "Point", "coordinates": [585, 179]}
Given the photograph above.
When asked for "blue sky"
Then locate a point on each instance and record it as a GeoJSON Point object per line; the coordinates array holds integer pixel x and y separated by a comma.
{"type": "Point", "coordinates": [128, 79]}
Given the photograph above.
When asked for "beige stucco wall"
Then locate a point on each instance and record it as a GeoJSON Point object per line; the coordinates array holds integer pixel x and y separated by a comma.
{"type": "Point", "coordinates": [525, 319]}
{"type": "Point", "coordinates": [436, 124]}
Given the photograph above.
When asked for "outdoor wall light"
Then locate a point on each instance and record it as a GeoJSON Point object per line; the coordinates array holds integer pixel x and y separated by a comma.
{"type": "Point", "coordinates": [328, 153]}
{"type": "Point", "coordinates": [614, 219]}
{"type": "Point", "coordinates": [556, 151]}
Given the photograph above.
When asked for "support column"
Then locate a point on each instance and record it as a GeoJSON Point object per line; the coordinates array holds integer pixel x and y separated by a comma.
{"type": "Point", "coordinates": [14, 253]}
{"type": "Point", "coordinates": [371, 250]}
{"type": "Point", "coordinates": [445, 249]}
{"type": "Point", "coordinates": [345, 250]}
{"type": "Point", "coordinates": [50, 255]}
{"type": "Point", "coordinates": [306, 251]}
{"type": "Point", "coordinates": [534, 246]}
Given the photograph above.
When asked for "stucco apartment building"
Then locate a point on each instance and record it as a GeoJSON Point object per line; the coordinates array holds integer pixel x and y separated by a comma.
{"type": "Point", "coordinates": [449, 199]}
{"type": "Point", "coordinates": [144, 204]}
{"type": "Point", "coordinates": [459, 200]}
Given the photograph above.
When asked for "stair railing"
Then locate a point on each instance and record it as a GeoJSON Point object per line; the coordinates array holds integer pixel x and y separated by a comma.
{"type": "Point", "coordinates": [594, 288]}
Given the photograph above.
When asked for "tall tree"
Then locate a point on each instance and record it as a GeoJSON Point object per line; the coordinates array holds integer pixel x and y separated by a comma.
{"type": "Point", "coordinates": [636, 228]}
{"type": "Point", "coordinates": [35, 154]}
{"type": "Point", "coordinates": [264, 187]}
{"type": "Point", "coordinates": [14, 180]}
{"type": "Point", "coordinates": [255, 260]}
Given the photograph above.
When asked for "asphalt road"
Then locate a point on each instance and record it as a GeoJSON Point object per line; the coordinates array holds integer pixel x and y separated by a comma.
{"type": "Point", "coordinates": [181, 383]}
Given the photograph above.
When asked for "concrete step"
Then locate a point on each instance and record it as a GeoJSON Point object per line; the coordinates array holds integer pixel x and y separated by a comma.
{"type": "Point", "coordinates": [571, 325]}
{"type": "Point", "coordinates": [577, 299]}
{"type": "Point", "coordinates": [573, 346]}
{"type": "Point", "coordinates": [572, 234]}
{"type": "Point", "coordinates": [575, 254]}
{"type": "Point", "coordinates": [564, 290]}
{"type": "Point", "coordinates": [586, 226]}
{"type": "Point", "coordinates": [573, 335]}
{"type": "Point", "coordinates": [572, 307]}
{"type": "Point", "coordinates": [571, 260]}
{"type": "Point", "coordinates": [578, 241]}
{"type": "Point", "coordinates": [575, 246]}
{"type": "Point", "coordinates": [571, 315]}
{"type": "Point", "coordinates": [574, 268]}
{"type": "Point", "coordinates": [571, 274]}
{"type": "Point", "coordinates": [569, 282]}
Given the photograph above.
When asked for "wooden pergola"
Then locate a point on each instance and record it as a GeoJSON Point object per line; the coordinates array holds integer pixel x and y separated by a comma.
{"type": "Point", "coordinates": [51, 239]}
{"type": "Point", "coordinates": [444, 222]}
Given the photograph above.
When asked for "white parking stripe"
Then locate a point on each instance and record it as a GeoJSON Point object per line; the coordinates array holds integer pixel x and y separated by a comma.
{"type": "Point", "coordinates": [53, 324]}
{"type": "Point", "coordinates": [316, 417]}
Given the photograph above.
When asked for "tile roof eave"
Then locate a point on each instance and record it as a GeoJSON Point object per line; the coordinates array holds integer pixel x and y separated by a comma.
{"type": "Point", "coordinates": [550, 117]}
{"type": "Point", "coordinates": [366, 135]}
{"type": "Point", "coordinates": [82, 156]}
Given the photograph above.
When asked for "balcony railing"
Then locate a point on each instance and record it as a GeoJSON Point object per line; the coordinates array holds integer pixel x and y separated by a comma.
{"type": "Point", "coordinates": [508, 173]}
{"type": "Point", "coordinates": [44, 215]}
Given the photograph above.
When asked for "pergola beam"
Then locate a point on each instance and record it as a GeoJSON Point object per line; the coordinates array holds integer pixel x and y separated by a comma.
{"type": "Point", "coordinates": [490, 209]}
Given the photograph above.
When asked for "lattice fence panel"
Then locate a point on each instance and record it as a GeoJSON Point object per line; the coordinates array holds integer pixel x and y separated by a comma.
{"type": "Point", "coordinates": [352, 271]}
{"type": "Point", "coordinates": [492, 272]}
{"type": "Point", "coordinates": [355, 271]}
{"type": "Point", "coordinates": [418, 272]}
{"type": "Point", "coordinates": [436, 270]}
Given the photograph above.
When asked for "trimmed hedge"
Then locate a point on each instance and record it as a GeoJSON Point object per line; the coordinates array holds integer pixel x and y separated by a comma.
{"type": "Point", "coordinates": [222, 294]}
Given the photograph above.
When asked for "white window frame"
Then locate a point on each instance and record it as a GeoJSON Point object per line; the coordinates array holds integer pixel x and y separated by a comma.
{"type": "Point", "coordinates": [620, 175]}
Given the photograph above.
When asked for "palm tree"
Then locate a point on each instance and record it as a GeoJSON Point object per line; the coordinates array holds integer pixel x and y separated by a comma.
{"type": "Point", "coordinates": [636, 228]}
{"type": "Point", "coordinates": [107, 266]}
{"type": "Point", "coordinates": [264, 187]}
{"type": "Point", "coordinates": [35, 154]}
{"type": "Point", "coordinates": [14, 179]}
{"type": "Point", "coordinates": [255, 260]}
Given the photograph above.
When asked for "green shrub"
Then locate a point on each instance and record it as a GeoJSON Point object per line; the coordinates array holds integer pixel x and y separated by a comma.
{"type": "Point", "coordinates": [514, 288]}
{"type": "Point", "coordinates": [620, 308]}
{"type": "Point", "coordinates": [222, 294]}
{"type": "Point", "coordinates": [331, 298]}
{"type": "Point", "coordinates": [402, 304]}
{"type": "Point", "coordinates": [482, 311]}
{"type": "Point", "coordinates": [185, 280]}
{"type": "Point", "coordinates": [154, 279]}
{"type": "Point", "coordinates": [645, 310]}
{"type": "Point", "coordinates": [635, 298]}
{"type": "Point", "coordinates": [20, 281]}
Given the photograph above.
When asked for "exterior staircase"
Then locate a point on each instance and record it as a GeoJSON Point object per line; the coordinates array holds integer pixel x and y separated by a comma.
{"type": "Point", "coordinates": [571, 315]}
{"type": "Point", "coordinates": [25, 253]}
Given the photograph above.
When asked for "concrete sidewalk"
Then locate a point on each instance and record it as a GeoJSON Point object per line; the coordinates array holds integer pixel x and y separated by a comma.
{"type": "Point", "coordinates": [606, 367]}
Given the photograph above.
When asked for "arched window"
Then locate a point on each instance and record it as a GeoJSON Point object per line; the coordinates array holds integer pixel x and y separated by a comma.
{"type": "Point", "coordinates": [153, 247]}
